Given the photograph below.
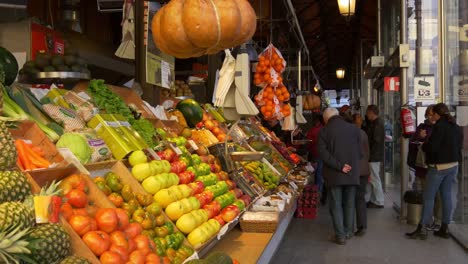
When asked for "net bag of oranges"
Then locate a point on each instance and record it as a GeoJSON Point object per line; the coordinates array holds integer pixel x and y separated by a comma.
{"type": "Point", "coordinates": [269, 67]}
{"type": "Point", "coordinates": [270, 105]}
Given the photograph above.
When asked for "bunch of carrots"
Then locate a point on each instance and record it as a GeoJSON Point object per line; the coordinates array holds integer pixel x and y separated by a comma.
{"type": "Point", "coordinates": [30, 157]}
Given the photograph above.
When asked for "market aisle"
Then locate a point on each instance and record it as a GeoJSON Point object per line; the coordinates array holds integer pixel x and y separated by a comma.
{"type": "Point", "coordinates": [306, 241]}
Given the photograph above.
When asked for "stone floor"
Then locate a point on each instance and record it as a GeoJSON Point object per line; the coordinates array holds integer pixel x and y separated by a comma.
{"type": "Point", "coordinates": [307, 241]}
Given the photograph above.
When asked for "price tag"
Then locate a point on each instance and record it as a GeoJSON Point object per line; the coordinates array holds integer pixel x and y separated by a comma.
{"type": "Point", "coordinates": [293, 185]}
{"type": "Point", "coordinates": [194, 256]}
{"type": "Point", "coordinates": [283, 196]}
{"type": "Point", "coordinates": [176, 149]}
{"type": "Point", "coordinates": [153, 154]}
{"type": "Point", "coordinates": [193, 144]}
{"type": "Point", "coordinates": [222, 231]}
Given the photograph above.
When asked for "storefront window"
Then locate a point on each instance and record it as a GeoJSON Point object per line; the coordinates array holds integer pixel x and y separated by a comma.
{"type": "Point", "coordinates": [456, 87]}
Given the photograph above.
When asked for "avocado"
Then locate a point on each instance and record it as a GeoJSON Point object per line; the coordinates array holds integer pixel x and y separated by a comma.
{"type": "Point", "coordinates": [76, 68]}
{"type": "Point", "coordinates": [42, 60]}
{"type": "Point", "coordinates": [63, 68]}
{"type": "Point", "coordinates": [29, 64]}
{"type": "Point", "coordinates": [70, 59]}
{"type": "Point", "coordinates": [57, 60]}
{"type": "Point", "coordinates": [80, 61]}
{"type": "Point", "coordinates": [30, 70]}
{"type": "Point", "coordinates": [49, 69]}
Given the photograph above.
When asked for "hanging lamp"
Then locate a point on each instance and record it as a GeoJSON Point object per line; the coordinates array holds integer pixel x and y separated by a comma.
{"type": "Point", "coordinates": [347, 8]}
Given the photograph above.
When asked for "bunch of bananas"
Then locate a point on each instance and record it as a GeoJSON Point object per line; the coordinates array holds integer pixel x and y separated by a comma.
{"type": "Point", "coordinates": [263, 174]}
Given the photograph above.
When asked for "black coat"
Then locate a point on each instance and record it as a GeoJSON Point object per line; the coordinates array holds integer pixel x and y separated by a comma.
{"type": "Point", "coordinates": [339, 143]}
{"type": "Point", "coordinates": [376, 134]}
{"type": "Point", "coordinates": [444, 144]}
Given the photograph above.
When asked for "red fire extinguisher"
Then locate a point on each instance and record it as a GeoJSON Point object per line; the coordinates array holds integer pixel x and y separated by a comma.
{"type": "Point", "coordinates": [408, 122]}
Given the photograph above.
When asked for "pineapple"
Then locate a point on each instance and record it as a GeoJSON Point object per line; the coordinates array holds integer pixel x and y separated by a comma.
{"type": "Point", "coordinates": [16, 214]}
{"type": "Point", "coordinates": [75, 260]}
{"type": "Point", "coordinates": [14, 246]}
{"type": "Point", "coordinates": [8, 155]}
{"type": "Point", "coordinates": [14, 186]}
{"type": "Point", "coordinates": [51, 243]}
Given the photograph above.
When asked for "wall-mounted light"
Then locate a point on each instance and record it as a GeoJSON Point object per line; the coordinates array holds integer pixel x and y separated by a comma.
{"type": "Point", "coordinates": [347, 8]}
{"type": "Point", "coordinates": [340, 73]}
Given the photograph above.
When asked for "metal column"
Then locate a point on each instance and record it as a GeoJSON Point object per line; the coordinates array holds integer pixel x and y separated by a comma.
{"type": "Point", "coordinates": [441, 50]}
{"type": "Point", "coordinates": [404, 100]}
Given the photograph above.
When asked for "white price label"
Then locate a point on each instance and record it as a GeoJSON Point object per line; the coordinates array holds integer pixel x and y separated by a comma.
{"type": "Point", "coordinates": [176, 149]}
{"type": "Point", "coordinates": [222, 231]}
{"type": "Point", "coordinates": [293, 185]}
{"type": "Point", "coordinates": [193, 144]}
{"type": "Point", "coordinates": [283, 196]}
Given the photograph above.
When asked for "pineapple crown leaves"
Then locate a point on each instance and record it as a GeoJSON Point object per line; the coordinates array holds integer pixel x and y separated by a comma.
{"type": "Point", "coordinates": [51, 190]}
{"type": "Point", "coordinates": [13, 246]}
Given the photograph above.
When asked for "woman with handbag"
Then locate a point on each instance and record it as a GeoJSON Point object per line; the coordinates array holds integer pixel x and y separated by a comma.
{"type": "Point", "coordinates": [442, 149]}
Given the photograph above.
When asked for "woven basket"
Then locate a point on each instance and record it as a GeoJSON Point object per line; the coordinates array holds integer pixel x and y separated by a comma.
{"type": "Point", "coordinates": [260, 226]}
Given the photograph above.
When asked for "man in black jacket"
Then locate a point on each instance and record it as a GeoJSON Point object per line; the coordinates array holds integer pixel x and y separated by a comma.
{"type": "Point", "coordinates": [376, 134]}
{"type": "Point", "coordinates": [339, 148]}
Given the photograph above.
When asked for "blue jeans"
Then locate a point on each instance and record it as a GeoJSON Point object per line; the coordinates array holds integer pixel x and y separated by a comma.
{"type": "Point", "coordinates": [342, 208]}
{"type": "Point", "coordinates": [438, 181]}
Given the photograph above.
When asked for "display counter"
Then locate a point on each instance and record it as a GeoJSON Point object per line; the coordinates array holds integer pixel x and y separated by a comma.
{"type": "Point", "coordinates": [254, 247]}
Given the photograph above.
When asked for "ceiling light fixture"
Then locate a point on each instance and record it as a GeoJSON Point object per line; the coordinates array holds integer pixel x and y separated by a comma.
{"type": "Point", "coordinates": [347, 8]}
{"type": "Point", "coordinates": [340, 73]}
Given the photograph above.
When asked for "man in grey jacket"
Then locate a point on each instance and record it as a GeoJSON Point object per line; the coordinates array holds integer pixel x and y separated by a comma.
{"type": "Point", "coordinates": [340, 149]}
{"type": "Point", "coordinates": [376, 134]}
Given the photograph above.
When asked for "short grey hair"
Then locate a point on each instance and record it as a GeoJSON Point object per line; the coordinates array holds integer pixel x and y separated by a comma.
{"type": "Point", "coordinates": [329, 113]}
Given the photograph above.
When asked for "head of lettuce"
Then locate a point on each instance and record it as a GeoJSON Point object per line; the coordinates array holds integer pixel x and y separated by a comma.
{"type": "Point", "coordinates": [77, 144]}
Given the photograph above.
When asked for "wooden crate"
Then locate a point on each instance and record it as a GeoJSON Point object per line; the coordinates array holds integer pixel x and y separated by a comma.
{"type": "Point", "coordinates": [28, 130]}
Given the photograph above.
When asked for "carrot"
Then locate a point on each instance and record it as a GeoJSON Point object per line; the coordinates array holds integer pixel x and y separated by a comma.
{"type": "Point", "coordinates": [38, 150]}
{"type": "Point", "coordinates": [36, 160]}
{"type": "Point", "coordinates": [18, 163]}
{"type": "Point", "coordinates": [22, 155]}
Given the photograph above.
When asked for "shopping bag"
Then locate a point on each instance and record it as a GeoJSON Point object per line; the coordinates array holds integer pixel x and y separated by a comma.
{"type": "Point", "coordinates": [421, 158]}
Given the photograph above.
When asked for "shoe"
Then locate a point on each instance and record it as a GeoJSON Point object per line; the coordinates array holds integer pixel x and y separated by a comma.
{"type": "Point", "coordinates": [373, 205]}
{"type": "Point", "coordinates": [349, 236]}
{"type": "Point", "coordinates": [419, 233]}
{"type": "Point", "coordinates": [443, 232]}
{"type": "Point", "coordinates": [433, 227]}
{"type": "Point", "coordinates": [360, 232]}
{"type": "Point", "coordinates": [339, 241]}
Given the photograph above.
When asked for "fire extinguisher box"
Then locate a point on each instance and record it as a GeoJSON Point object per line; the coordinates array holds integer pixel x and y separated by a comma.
{"type": "Point", "coordinates": [30, 37]}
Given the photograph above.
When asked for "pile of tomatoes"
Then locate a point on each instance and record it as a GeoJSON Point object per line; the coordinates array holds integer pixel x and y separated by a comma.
{"type": "Point", "coordinates": [109, 232]}
{"type": "Point", "coordinates": [272, 99]}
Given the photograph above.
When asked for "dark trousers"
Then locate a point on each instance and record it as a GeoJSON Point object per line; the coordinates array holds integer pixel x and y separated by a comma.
{"type": "Point", "coordinates": [342, 201]}
{"type": "Point", "coordinates": [361, 206]}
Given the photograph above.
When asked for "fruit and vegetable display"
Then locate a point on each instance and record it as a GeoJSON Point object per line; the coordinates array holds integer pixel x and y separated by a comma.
{"type": "Point", "coordinates": [263, 173]}
{"type": "Point", "coordinates": [180, 89]}
{"type": "Point", "coordinates": [177, 32]}
{"type": "Point", "coordinates": [218, 129]}
{"type": "Point", "coordinates": [45, 62]}
{"type": "Point", "coordinates": [272, 155]}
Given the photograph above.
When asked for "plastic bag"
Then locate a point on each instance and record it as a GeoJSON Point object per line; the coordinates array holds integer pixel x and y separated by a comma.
{"type": "Point", "coordinates": [269, 68]}
{"type": "Point", "coordinates": [268, 104]}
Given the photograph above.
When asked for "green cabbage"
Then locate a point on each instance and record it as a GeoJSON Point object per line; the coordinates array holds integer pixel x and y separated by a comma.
{"type": "Point", "coordinates": [77, 144]}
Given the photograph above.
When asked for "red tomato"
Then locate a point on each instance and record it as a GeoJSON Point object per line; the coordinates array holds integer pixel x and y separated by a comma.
{"type": "Point", "coordinates": [97, 241]}
{"type": "Point", "coordinates": [123, 252]}
{"type": "Point", "coordinates": [74, 181]}
{"type": "Point", "coordinates": [153, 258]}
{"type": "Point", "coordinates": [119, 238]}
{"type": "Point", "coordinates": [81, 211]}
{"type": "Point", "coordinates": [122, 217]}
{"type": "Point", "coordinates": [131, 245]}
{"type": "Point", "coordinates": [116, 199]}
{"type": "Point", "coordinates": [137, 257]}
{"type": "Point", "coordinates": [133, 230]}
{"type": "Point", "coordinates": [110, 257]}
{"type": "Point", "coordinates": [143, 244]}
{"type": "Point", "coordinates": [81, 224]}
{"type": "Point", "coordinates": [66, 210]}
{"type": "Point", "coordinates": [107, 220]}
{"type": "Point", "coordinates": [77, 198]}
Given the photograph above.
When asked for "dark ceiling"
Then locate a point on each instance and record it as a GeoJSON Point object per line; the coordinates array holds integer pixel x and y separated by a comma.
{"type": "Point", "coordinates": [332, 40]}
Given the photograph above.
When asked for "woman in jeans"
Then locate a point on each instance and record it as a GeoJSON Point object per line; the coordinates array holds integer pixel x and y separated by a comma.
{"type": "Point", "coordinates": [443, 149]}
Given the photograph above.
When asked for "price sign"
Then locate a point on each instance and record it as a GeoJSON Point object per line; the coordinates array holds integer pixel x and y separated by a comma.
{"type": "Point", "coordinates": [176, 149]}
{"type": "Point", "coordinates": [193, 144]}
{"type": "Point", "coordinates": [293, 185]}
{"type": "Point", "coordinates": [283, 195]}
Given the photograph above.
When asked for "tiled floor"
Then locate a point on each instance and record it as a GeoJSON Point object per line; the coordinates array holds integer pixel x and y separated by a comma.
{"type": "Point", "coordinates": [306, 241]}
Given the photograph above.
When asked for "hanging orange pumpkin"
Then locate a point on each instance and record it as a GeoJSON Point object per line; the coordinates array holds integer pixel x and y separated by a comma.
{"type": "Point", "coordinates": [191, 28]}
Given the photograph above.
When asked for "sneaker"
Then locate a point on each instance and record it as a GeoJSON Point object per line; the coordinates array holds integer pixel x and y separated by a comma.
{"type": "Point", "coordinates": [373, 205]}
{"type": "Point", "coordinates": [349, 236]}
{"type": "Point", "coordinates": [433, 227]}
{"type": "Point", "coordinates": [338, 240]}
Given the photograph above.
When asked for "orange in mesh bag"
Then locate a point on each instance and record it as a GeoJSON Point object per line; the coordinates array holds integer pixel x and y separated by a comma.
{"type": "Point", "coordinates": [269, 68]}
{"type": "Point", "coordinates": [268, 104]}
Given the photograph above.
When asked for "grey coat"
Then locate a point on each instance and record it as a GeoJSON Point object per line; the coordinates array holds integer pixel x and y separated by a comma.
{"type": "Point", "coordinates": [364, 161]}
{"type": "Point", "coordinates": [339, 143]}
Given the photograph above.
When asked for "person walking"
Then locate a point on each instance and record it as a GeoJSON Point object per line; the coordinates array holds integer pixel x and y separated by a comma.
{"type": "Point", "coordinates": [339, 147]}
{"type": "Point", "coordinates": [376, 134]}
{"type": "Point", "coordinates": [443, 151]}
{"type": "Point", "coordinates": [364, 172]}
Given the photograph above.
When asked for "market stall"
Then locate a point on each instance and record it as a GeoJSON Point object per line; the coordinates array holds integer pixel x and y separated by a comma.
{"type": "Point", "coordinates": [116, 179]}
